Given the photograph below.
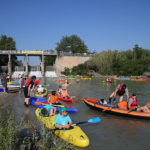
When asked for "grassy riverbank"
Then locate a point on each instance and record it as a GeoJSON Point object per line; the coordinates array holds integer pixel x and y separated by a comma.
{"type": "Point", "coordinates": [23, 133]}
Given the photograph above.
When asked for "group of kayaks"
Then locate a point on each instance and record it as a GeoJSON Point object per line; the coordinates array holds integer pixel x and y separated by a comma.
{"type": "Point", "coordinates": [73, 135]}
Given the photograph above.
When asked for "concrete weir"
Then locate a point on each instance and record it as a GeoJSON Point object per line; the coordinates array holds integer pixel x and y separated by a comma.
{"type": "Point", "coordinates": [61, 61]}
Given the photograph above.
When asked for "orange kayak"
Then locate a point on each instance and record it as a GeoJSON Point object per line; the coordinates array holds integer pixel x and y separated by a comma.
{"type": "Point", "coordinates": [140, 80]}
{"type": "Point", "coordinates": [112, 108]}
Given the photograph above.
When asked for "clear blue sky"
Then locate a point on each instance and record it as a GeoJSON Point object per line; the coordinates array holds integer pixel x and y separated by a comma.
{"type": "Point", "coordinates": [101, 24]}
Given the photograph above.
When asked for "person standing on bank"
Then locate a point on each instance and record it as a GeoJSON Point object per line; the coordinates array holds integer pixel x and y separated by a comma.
{"type": "Point", "coordinates": [4, 81]}
{"type": "Point", "coordinates": [120, 90]}
{"type": "Point", "coordinates": [28, 89]}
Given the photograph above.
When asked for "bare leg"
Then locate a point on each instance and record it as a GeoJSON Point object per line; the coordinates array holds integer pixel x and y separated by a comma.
{"type": "Point", "coordinates": [51, 112]}
{"type": "Point", "coordinates": [54, 111]}
{"type": "Point", "coordinates": [121, 99]}
{"type": "Point", "coordinates": [27, 100]}
{"type": "Point", "coordinates": [143, 109]}
{"type": "Point", "coordinates": [112, 95]}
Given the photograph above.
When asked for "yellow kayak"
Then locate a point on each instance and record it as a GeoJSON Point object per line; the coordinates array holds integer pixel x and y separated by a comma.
{"type": "Point", "coordinates": [86, 78]}
{"type": "Point", "coordinates": [43, 94]}
{"type": "Point", "coordinates": [74, 135]}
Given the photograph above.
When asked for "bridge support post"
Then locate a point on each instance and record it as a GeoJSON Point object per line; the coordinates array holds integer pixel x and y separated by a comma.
{"type": "Point", "coordinates": [26, 66]}
{"type": "Point", "coordinates": [42, 66]}
{"type": "Point", "coordinates": [9, 64]}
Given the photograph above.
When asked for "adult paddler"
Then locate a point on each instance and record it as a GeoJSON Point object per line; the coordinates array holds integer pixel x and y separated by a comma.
{"type": "Point", "coordinates": [28, 88]}
{"type": "Point", "coordinates": [120, 90]}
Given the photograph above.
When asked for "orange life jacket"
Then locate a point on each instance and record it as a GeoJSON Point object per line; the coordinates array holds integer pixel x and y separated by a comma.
{"type": "Point", "coordinates": [135, 103]}
{"type": "Point", "coordinates": [27, 84]}
{"type": "Point", "coordinates": [53, 99]}
{"type": "Point", "coordinates": [123, 105]}
{"type": "Point", "coordinates": [120, 91]}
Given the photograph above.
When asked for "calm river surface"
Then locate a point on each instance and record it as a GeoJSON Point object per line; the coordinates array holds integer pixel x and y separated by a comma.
{"type": "Point", "coordinates": [113, 132]}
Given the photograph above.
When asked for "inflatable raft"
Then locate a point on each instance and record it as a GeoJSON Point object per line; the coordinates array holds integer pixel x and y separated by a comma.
{"type": "Point", "coordinates": [144, 80]}
{"type": "Point", "coordinates": [73, 135]}
{"type": "Point", "coordinates": [43, 94]}
{"type": "Point", "coordinates": [33, 101]}
{"type": "Point", "coordinates": [112, 108]}
{"type": "Point", "coordinates": [66, 100]}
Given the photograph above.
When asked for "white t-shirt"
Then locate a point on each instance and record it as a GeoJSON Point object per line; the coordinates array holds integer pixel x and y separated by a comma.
{"type": "Point", "coordinates": [41, 89]}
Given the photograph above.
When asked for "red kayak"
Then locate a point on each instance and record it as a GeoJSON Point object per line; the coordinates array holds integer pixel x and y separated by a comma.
{"type": "Point", "coordinates": [66, 99]}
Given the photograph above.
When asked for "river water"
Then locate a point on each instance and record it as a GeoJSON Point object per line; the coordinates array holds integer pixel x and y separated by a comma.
{"type": "Point", "coordinates": [113, 132]}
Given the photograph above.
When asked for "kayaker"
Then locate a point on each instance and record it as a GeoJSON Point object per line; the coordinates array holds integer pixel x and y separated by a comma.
{"type": "Point", "coordinates": [120, 90]}
{"type": "Point", "coordinates": [53, 98]}
{"type": "Point", "coordinates": [133, 104]}
{"type": "Point", "coordinates": [108, 80]}
{"type": "Point", "coordinates": [59, 89]}
{"type": "Point", "coordinates": [78, 80]}
{"type": "Point", "coordinates": [64, 93]}
{"type": "Point", "coordinates": [40, 89]}
{"type": "Point", "coordinates": [62, 119]}
{"type": "Point", "coordinates": [28, 89]}
{"type": "Point", "coordinates": [21, 81]}
{"type": "Point", "coordinates": [4, 81]}
{"type": "Point", "coordinates": [48, 110]}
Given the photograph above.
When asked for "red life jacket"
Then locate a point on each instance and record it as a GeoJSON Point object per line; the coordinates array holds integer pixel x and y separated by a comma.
{"type": "Point", "coordinates": [120, 91]}
{"type": "Point", "coordinates": [27, 84]}
{"type": "Point", "coordinates": [135, 103]}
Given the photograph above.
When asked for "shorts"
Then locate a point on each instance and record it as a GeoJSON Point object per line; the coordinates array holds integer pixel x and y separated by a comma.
{"type": "Point", "coordinates": [120, 94]}
{"type": "Point", "coordinates": [26, 92]}
{"type": "Point", "coordinates": [4, 85]}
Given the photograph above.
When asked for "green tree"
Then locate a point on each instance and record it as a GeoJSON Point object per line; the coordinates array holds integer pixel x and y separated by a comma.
{"type": "Point", "coordinates": [7, 43]}
{"type": "Point", "coordinates": [71, 44]}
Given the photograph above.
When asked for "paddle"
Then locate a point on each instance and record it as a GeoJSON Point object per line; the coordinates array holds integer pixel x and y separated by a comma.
{"type": "Point", "coordinates": [51, 90]}
{"type": "Point", "coordinates": [45, 85]}
{"type": "Point", "coordinates": [40, 103]}
{"type": "Point", "coordinates": [92, 120]}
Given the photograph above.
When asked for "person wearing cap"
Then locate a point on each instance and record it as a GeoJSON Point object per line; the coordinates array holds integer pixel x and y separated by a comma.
{"type": "Point", "coordinates": [64, 93]}
{"type": "Point", "coordinates": [120, 90]}
{"type": "Point", "coordinates": [53, 98]}
{"type": "Point", "coordinates": [133, 104]}
{"type": "Point", "coordinates": [48, 110]}
{"type": "Point", "coordinates": [62, 119]}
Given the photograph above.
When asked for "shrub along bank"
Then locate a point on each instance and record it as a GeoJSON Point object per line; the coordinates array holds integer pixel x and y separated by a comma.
{"type": "Point", "coordinates": [130, 62]}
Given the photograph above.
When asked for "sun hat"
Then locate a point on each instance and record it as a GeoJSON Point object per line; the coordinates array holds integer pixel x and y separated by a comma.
{"type": "Point", "coordinates": [63, 109]}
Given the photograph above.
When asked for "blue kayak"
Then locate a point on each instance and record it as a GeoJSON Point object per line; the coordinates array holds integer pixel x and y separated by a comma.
{"type": "Point", "coordinates": [32, 101]}
{"type": "Point", "coordinates": [122, 78]}
{"type": "Point", "coordinates": [2, 90]}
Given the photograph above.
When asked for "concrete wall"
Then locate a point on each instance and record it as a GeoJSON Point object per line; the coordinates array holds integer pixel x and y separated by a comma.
{"type": "Point", "coordinates": [69, 62]}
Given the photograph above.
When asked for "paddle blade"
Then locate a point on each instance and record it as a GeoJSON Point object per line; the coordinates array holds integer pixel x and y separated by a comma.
{"type": "Point", "coordinates": [46, 85]}
{"type": "Point", "coordinates": [94, 120]}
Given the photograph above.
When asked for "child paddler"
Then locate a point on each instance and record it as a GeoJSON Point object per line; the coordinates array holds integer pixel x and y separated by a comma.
{"type": "Point", "coordinates": [62, 119]}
